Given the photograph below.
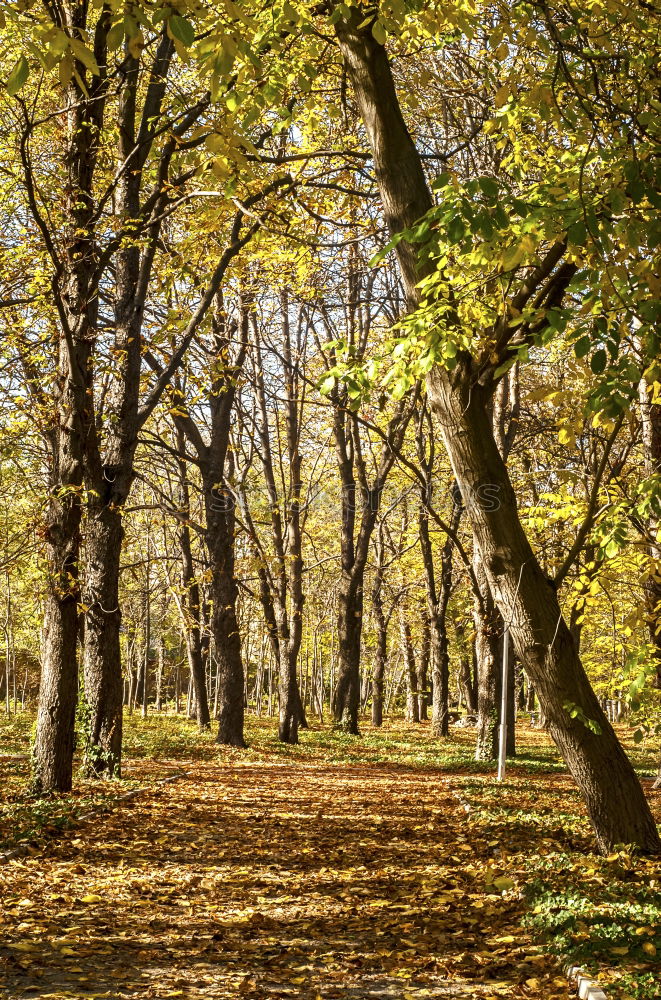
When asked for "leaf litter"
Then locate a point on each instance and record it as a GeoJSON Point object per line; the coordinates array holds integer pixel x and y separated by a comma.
{"type": "Point", "coordinates": [274, 879]}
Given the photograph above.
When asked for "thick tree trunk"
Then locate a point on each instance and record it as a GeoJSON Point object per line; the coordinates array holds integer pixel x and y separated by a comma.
{"type": "Point", "coordinates": [542, 641]}
{"type": "Point", "coordinates": [227, 642]}
{"type": "Point", "coordinates": [290, 701]}
{"type": "Point", "coordinates": [346, 697]}
{"type": "Point", "coordinates": [527, 600]}
{"type": "Point", "coordinates": [72, 433]}
{"type": "Point", "coordinates": [102, 655]}
{"type": "Point", "coordinates": [58, 692]}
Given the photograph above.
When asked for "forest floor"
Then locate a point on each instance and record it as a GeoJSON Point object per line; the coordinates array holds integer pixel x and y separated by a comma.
{"type": "Point", "coordinates": [343, 869]}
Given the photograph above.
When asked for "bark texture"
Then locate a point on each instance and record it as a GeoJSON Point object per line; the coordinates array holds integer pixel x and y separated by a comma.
{"type": "Point", "coordinates": [651, 424]}
{"type": "Point", "coordinates": [73, 431]}
{"type": "Point", "coordinates": [381, 652]}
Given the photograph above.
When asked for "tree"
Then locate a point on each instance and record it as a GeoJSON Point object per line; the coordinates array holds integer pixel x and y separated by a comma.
{"type": "Point", "coordinates": [223, 367]}
{"type": "Point", "coordinates": [357, 481]}
{"type": "Point", "coordinates": [460, 397]}
{"type": "Point", "coordinates": [281, 588]}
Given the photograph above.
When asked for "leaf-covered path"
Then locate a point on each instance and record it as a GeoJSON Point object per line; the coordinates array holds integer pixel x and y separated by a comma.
{"type": "Point", "coordinates": [270, 880]}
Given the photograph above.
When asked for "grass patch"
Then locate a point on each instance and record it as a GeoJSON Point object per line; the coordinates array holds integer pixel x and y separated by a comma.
{"type": "Point", "coordinates": [601, 913]}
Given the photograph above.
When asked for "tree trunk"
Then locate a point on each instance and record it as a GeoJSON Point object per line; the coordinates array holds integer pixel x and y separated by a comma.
{"type": "Point", "coordinates": [159, 675]}
{"type": "Point", "coordinates": [520, 693]}
{"type": "Point", "coordinates": [526, 599]}
{"type": "Point", "coordinates": [466, 681]}
{"type": "Point", "coordinates": [651, 424]}
{"type": "Point", "coordinates": [408, 654]}
{"type": "Point", "coordinates": [227, 641]}
{"type": "Point", "coordinates": [437, 605]}
{"type": "Point", "coordinates": [58, 692]}
{"type": "Point", "coordinates": [613, 795]}
{"type": "Point", "coordinates": [511, 702]}
{"type": "Point", "coordinates": [191, 602]}
{"type": "Point", "coordinates": [102, 655]}
{"type": "Point", "coordinates": [488, 654]}
{"type": "Point", "coordinates": [381, 652]}
{"type": "Point", "coordinates": [197, 671]}
{"type": "Point", "coordinates": [530, 696]}
{"type": "Point", "coordinates": [69, 438]}
{"type": "Point", "coordinates": [377, 679]}
{"type": "Point", "coordinates": [423, 669]}
{"type": "Point", "coordinates": [290, 707]}
{"type": "Point", "coordinates": [440, 658]}
{"type": "Point", "coordinates": [346, 697]}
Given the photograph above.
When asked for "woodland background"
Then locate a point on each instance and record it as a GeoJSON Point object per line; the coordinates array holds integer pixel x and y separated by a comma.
{"type": "Point", "coordinates": [257, 265]}
{"type": "Point", "coordinates": [329, 375]}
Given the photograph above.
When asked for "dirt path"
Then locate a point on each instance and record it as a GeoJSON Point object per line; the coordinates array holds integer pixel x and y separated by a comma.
{"type": "Point", "coordinates": [268, 881]}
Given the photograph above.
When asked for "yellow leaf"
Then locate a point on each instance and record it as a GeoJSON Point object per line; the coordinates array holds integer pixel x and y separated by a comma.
{"type": "Point", "coordinates": [503, 883]}
{"type": "Point", "coordinates": [84, 55]}
{"type": "Point", "coordinates": [91, 898]}
{"type": "Point", "coordinates": [501, 95]}
{"type": "Point", "coordinates": [215, 142]}
{"type": "Point", "coordinates": [619, 951]}
{"type": "Point", "coordinates": [649, 948]}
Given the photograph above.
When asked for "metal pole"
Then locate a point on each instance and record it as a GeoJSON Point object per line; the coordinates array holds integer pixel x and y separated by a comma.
{"type": "Point", "coordinates": [502, 747]}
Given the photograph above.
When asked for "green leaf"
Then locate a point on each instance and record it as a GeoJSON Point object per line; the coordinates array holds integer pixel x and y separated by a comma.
{"type": "Point", "coordinates": [18, 76]}
{"type": "Point", "coordinates": [503, 883]}
{"type": "Point", "coordinates": [182, 30]}
{"type": "Point", "coordinates": [598, 361]}
{"type": "Point", "coordinates": [582, 346]}
{"type": "Point", "coordinates": [379, 33]}
{"type": "Point", "coordinates": [489, 186]}
{"type": "Point", "coordinates": [441, 181]}
{"type": "Point", "coordinates": [456, 229]}
{"type": "Point", "coordinates": [115, 36]}
{"type": "Point", "coordinates": [577, 233]}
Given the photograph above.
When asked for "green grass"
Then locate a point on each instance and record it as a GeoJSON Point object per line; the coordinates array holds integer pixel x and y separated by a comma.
{"type": "Point", "coordinates": [16, 732]}
{"type": "Point", "coordinates": [603, 914]}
